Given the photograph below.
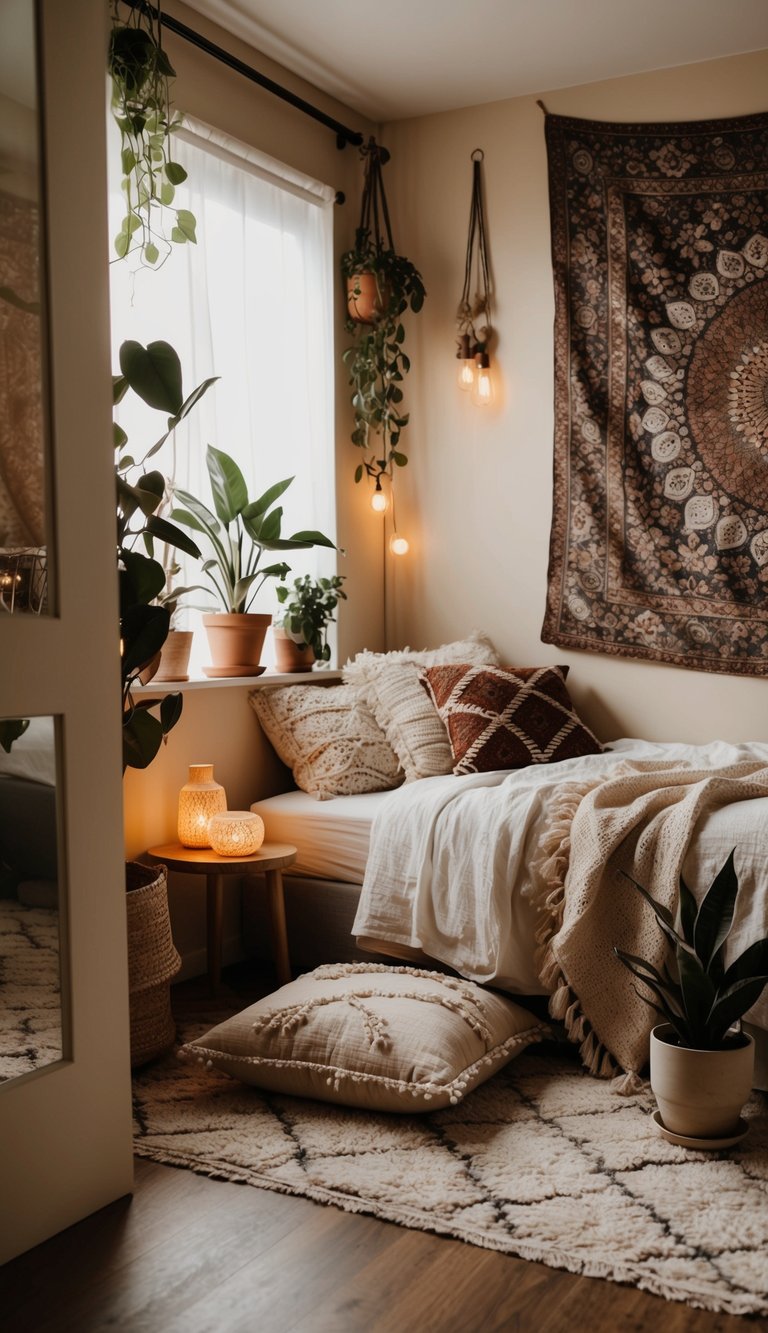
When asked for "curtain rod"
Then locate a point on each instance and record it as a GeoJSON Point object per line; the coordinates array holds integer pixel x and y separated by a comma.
{"type": "Point", "coordinates": [344, 135]}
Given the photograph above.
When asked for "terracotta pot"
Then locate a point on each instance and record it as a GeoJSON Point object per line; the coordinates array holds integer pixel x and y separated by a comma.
{"type": "Point", "coordinates": [288, 655]}
{"type": "Point", "coordinates": [700, 1094]}
{"type": "Point", "coordinates": [236, 642]}
{"type": "Point", "coordinates": [365, 300]}
{"type": "Point", "coordinates": [174, 656]}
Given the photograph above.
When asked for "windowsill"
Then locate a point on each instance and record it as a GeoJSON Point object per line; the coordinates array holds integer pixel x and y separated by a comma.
{"type": "Point", "coordinates": [218, 682]}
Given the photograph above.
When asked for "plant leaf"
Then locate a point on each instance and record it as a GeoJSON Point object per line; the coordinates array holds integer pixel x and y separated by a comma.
{"type": "Point", "coordinates": [715, 915]}
{"type": "Point", "coordinates": [142, 738]}
{"type": "Point", "coordinates": [688, 911]}
{"type": "Point", "coordinates": [734, 1003]}
{"type": "Point", "coordinates": [154, 373]}
{"type": "Point", "coordinates": [170, 711]}
{"type": "Point", "coordinates": [230, 494]}
{"type": "Point", "coordinates": [173, 536]}
{"type": "Point", "coordinates": [260, 506]}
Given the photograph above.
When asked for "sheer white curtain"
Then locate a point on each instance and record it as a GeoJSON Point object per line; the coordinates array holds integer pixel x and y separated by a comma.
{"type": "Point", "coordinates": [251, 303]}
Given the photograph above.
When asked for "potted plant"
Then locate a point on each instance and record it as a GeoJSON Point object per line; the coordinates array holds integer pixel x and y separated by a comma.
{"type": "Point", "coordinates": [701, 1069]}
{"type": "Point", "coordinates": [381, 286]}
{"type": "Point", "coordinates": [154, 374]}
{"type": "Point", "coordinates": [140, 72]}
{"type": "Point", "coordinates": [301, 632]}
{"type": "Point", "coordinates": [238, 534]}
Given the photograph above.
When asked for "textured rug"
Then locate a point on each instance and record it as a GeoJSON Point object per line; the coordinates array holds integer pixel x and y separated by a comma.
{"type": "Point", "coordinates": [659, 542]}
{"type": "Point", "coordinates": [30, 1003]}
{"type": "Point", "coordinates": [543, 1162]}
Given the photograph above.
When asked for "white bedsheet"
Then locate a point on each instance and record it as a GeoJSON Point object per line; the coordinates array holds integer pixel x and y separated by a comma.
{"type": "Point", "coordinates": [331, 836]}
{"type": "Point", "coordinates": [449, 865]}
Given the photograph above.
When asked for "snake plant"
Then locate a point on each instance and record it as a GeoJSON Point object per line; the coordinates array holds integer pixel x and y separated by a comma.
{"type": "Point", "coordinates": [699, 996]}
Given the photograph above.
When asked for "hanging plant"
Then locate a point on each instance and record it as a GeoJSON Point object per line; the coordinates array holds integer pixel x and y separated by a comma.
{"type": "Point", "coordinates": [141, 105]}
{"type": "Point", "coordinates": [381, 286]}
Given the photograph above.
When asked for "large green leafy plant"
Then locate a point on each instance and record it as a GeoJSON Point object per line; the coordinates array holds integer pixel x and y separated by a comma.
{"type": "Point", "coordinates": [140, 72]}
{"type": "Point", "coordinates": [238, 532]}
{"type": "Point", "coordinates": [153, 373]}
{"type": "Point", "coordinates": [700, 997]}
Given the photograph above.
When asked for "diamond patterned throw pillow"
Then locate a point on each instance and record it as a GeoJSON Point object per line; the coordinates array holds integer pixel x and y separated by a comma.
{"type": "Point", "coordinates": [507, 717]}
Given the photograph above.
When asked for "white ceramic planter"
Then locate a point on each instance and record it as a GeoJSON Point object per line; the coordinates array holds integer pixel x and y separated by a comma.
{"type": "Point", "coordinates": [700, 1094]}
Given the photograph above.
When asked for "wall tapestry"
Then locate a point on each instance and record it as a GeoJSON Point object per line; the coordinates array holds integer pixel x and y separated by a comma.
{"type": "Point", "coordinates": [659, 543]}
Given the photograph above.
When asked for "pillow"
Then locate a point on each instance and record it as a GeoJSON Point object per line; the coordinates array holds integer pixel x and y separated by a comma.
{"type": "Point", "coordinates": [404, 711]}
{"type": "Point", "coordinates": [509, 717]}
{"type": "Point", "coordinates": [371, 1035]}
{"type": "Point", "coordinates": [477, 648]}
{"type": "Point", "coordinates": [329, 738]}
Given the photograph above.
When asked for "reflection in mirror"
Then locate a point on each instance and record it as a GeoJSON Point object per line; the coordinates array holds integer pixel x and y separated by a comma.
{"type": "Point", "coordinates": [23, 504]}
{"type": "Point", "coordinates": [30, 974]}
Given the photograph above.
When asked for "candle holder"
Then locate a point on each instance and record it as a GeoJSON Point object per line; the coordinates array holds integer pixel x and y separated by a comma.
{"type": "Point", "coordinates": [199, 798]}
{"type": "Point", "coordinates": [236, 832]}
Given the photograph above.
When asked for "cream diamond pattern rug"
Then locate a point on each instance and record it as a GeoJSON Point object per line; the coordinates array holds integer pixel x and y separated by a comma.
{"type": "Point", "coordinates": [543, 1162]}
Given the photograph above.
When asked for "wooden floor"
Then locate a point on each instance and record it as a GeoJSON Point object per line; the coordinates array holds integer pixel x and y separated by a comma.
{"type": "Point", "coordinates": [192, 1255]}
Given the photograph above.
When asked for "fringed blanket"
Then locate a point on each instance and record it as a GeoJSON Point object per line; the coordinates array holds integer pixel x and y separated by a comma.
{"type": "Point", "coordinates": [477, 871]}
{"type": "Point", "coordinates": [641, 823]}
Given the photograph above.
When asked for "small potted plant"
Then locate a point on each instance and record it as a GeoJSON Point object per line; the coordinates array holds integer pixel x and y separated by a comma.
{"type": "Point", "coordinates": [301, 632]}
{"type": "Point", "coordinates": [701, 1069]}
{"type": "Point", "coordinates": [238, 534]}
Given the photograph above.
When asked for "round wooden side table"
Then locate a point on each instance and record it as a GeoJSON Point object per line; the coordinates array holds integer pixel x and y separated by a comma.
{"type": "Point", "coordinates": [269, 860]}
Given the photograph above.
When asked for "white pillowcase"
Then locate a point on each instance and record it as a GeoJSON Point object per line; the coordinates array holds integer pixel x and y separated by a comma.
{"type": "Point", "coordinates": [390, 685]}
{"type": "Point", "coordinates": [329, 738]}
{"type": "Point", "coordinates": [371, 1035]}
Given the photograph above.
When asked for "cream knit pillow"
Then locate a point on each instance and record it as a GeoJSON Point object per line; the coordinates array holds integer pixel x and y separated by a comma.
{"type": "Point", "coordinates": [329, 738]}
{"type": "Point", "coordinates": [404, 710]}
{"type": "Point", "coordinates": [371, 1035]}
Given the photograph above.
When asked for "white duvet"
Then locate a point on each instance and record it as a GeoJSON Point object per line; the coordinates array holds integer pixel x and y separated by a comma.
{"type": "Point", "coordinates": [449, 866]}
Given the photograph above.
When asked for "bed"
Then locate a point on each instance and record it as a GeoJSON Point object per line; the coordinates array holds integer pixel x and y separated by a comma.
{"type": "Point", "coordinates": [361, 860]}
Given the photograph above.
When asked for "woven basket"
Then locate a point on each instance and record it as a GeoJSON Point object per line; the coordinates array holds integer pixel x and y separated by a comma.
{"type": "Point", "coordinates": [152, 961]}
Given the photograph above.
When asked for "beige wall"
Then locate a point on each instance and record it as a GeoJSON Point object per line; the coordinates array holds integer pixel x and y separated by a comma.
{"type": "Point", "coordinates": [475, 500]}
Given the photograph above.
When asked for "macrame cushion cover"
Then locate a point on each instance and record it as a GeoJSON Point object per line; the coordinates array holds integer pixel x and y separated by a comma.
{"type": "Point", "coordinates": [507, 717]}
{"type": "Point", "coordinates": [329, 739]}
{"type": "Point", "coordinates": [371, 1035]}
{"type": "Point", "coordinates": [390, 685]}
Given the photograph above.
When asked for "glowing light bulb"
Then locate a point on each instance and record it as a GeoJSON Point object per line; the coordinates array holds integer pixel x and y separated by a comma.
{"type": "Point", "coordinates": [379, 501]}
{"type": "Point", "coordinates": [482, 390]}
{"type": "Point", "coordinates": [398, 545]}
{"type": "Point", "coordinates": [466, 376]}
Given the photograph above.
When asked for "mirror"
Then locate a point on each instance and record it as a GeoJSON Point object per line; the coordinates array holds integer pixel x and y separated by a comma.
{"type": "Point", "coordinates": [24, 523]}
{"type": "Point", "coordinates": [31, 1025]}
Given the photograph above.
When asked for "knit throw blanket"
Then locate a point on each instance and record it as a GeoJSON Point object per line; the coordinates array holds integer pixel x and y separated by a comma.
{"type": "Point", "coordinates": [639, 822]}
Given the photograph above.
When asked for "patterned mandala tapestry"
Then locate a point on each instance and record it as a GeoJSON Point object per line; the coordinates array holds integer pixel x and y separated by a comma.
{"type": "Point", "coordinates": [659, 543]}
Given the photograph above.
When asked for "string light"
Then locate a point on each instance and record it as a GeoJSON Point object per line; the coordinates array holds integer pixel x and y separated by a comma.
{"type": "Point", "coordinates": [398, 545]}
{"type": "Point", "coordinates": [379, 501]}
{"type": "Point", "coordinates": [466, 376]}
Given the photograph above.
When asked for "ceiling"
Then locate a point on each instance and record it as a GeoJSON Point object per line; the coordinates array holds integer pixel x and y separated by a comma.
{"type": "Point", "coordinates": [390, 59]}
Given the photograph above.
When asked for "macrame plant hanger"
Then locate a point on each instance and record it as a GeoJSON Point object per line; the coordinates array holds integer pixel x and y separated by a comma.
{"type": "Point", "coordinates": [374, 206]}
{"type": "Point", "coordinates": [473, 317]}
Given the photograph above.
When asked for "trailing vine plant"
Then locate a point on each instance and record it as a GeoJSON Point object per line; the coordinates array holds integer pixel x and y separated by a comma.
{"type": "Point", "coordinates": [141, 106]}
{"type": "Point", "coordinates": [376, 362]}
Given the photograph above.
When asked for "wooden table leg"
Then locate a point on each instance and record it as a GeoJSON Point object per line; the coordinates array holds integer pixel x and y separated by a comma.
{"type": "Point", "coordinates": [277, 927]}
{"type": "Point", "coordinates": [215, 929]}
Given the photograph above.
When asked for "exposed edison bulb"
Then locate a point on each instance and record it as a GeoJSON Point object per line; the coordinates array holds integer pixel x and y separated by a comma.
{"type": "Point", "coordinates": [379, 501]}
{"type": "Point", "coordinates": [398, 545]}
{"type": "Point", "coordinates": [482, 390]}
{"type": "Point", "coordinates": [466, 376]}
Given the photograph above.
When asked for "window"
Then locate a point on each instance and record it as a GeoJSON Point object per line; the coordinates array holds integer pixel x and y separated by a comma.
{"type": "Point", "coordinates": [252, 303]}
